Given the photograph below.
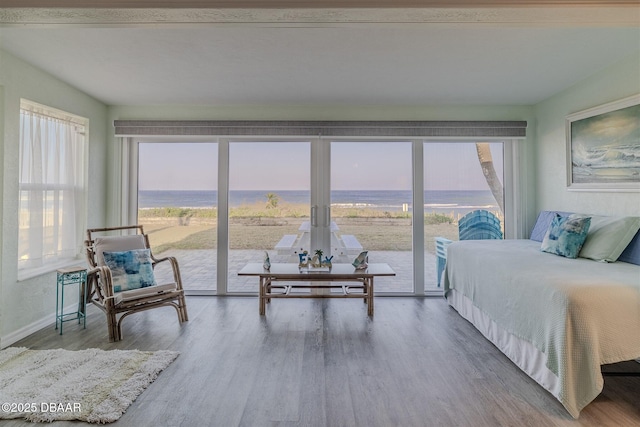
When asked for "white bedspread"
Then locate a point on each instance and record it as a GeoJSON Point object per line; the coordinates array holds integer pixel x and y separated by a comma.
{"type": "Point", "coordinates": [579, 313]}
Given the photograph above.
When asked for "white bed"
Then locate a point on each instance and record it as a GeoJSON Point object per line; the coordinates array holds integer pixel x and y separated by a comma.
{"type": "Point", "coordinates": [556, 318]}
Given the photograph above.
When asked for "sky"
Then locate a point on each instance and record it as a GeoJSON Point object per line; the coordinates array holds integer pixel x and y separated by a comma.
{"type": "Point", "coordinates": [285, 166]}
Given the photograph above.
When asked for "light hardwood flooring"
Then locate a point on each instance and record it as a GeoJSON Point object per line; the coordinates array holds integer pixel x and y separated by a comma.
{"type": "Point", "coordinates": [322, 362]}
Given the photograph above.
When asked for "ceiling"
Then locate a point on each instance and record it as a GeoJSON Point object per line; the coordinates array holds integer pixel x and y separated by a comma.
{"type": "Point", "coordinates": [487, 56]}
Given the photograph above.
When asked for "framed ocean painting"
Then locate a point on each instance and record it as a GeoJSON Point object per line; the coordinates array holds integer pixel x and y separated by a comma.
{"type": "Point", "coordinates": [603, 147]}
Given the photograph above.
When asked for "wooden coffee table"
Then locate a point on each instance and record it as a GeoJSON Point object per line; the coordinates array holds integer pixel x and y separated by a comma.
{"type": "Point", "coordinates": [286, 272]}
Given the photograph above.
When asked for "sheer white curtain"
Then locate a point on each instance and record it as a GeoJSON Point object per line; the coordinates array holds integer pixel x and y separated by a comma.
{"type": "Point", "coordinates": [52, 187]}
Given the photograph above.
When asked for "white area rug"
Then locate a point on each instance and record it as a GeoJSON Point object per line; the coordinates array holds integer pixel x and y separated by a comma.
{"type": "Point", "coordinates": [91, 385]}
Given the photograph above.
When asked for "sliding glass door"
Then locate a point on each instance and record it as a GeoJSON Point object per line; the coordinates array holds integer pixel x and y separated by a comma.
{"type": "Point", "coordinates": [341, 197]}
{"type": "Point", "coordinates": [459, 178]}
{"type": "Point", "coordinates": [372, 207]}
{"type": "Point", "coordinates": [219, 205]}
{"type": "Point", "coordinates": [269, 205]}
{"type": "Point", "coordinates": [178, 207]}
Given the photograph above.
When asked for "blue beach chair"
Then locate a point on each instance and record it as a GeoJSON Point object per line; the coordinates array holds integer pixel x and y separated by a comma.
{"type": "Point", "coordinates": [477, 225]}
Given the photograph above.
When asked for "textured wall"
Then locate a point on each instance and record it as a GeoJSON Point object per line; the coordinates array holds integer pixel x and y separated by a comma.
{"type": "Point", "coordinates": [616, 82]}
{"type": "Point", "coordinates": [28, 302]}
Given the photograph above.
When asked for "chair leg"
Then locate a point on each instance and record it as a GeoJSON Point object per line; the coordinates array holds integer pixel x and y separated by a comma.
{"type": "Point", "coordinates": [184, 317]}
{"type": "Point", "coordinates": [112, 325]}
{"type": "Point", "coordinates": [119, 331]}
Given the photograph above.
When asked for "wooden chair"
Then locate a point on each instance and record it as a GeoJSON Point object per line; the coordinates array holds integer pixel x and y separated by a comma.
{"type": "Point", "coordinates": [119, 304]}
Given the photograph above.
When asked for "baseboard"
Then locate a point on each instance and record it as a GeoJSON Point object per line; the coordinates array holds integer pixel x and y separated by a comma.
{"type": "Point", "coordinates": [47, 321]}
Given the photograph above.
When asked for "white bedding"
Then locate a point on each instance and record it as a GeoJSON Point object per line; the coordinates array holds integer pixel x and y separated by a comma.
{"type": "Point", "coordinates": [577, 313]}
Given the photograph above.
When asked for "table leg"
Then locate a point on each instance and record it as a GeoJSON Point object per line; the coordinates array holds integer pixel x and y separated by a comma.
{"type": "Point", "coordinates": [261, 296]}
{"type": "Point", "coordinates": [57, 304]}
{"type": "Point", "coordinates": [365, 286]}
{"type": "Point", "coordinates": [82, 303]}
{"type": "Point", "coordinates": [267, 290]}
{"type": "Point", "coordinates": [370, 300]}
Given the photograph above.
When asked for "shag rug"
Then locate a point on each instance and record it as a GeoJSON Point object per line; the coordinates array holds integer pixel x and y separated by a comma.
{"type": "Point", "coordinates": [92, 385]}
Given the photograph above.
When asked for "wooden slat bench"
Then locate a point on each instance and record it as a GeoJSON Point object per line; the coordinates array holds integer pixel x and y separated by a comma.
{"type": "Point", "coordinates": [351, 244]}
{"type": "Point", "coordinates": [286, 244]}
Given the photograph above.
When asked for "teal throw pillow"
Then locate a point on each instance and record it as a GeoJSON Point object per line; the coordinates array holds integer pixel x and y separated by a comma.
{"type": "Point", "coordinates": [566, 235]}
{"type": "Point", "coordinates": [130, 269]}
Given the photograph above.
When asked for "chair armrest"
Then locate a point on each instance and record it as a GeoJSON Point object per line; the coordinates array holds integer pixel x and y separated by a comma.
{"type": "Point", "coordinates": [174, 266]}
{"type": "Point", "coordinates": [441, 246]}
{"type": "Point", "coordinates": [101, 276]}
{"type": "Point", "coordinates": [159, 260]}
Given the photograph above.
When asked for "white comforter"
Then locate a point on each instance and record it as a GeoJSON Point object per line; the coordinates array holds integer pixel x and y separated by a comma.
{"type": "Point", "coordinates": [578, 313]}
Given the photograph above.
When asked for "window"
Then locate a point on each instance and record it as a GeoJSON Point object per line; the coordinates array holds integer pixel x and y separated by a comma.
{"type": "Point", "coordinates": [52, 187]}
{"type": "Point", "coordinates": [428, 176]}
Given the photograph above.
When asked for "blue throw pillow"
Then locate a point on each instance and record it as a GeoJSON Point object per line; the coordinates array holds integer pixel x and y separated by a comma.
{"type": "Point", "coordinates": [632, 253]}
{"type": "Point", "coordinates": [543, 222]}
{"type": "Point", "coordinates": [130, 269]}
{"type": "Point", "coordinates": [566, 235]}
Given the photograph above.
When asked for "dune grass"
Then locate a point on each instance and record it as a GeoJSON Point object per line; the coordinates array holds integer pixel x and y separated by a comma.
{"type": "Point", "coordinates": [390, 235]}
{"type": "Point", "coordinates": [281, 210]}
{"type": "Point", "coordinates": [259, 226]}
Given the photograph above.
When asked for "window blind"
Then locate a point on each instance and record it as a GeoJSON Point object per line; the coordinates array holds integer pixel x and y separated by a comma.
{"type": "Point", "coordinates": [456, 129]}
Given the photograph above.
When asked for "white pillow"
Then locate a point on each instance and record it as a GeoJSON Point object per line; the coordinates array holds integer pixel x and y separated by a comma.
{"type": "Point", "coordinates": [117, 244]}
{"type": "Point", "coordinates": [608, 237]}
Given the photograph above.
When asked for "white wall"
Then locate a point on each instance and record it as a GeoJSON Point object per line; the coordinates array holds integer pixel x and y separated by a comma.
{"type": "Point", "coordinates": [27, 304]}
{"type": "Point", "coordinates": [615, 82]}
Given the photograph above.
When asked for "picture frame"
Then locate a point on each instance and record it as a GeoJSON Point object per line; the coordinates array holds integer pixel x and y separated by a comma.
{"type": "Point", "coordinates": [603, 147]}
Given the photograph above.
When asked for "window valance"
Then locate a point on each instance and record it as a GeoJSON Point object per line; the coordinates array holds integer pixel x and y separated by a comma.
{"type": "Point", "coordinates": [459, 129]}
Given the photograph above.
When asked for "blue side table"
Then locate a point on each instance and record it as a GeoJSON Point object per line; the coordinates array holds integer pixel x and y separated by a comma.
{"type": "Point", "coordinates": [69, 277]}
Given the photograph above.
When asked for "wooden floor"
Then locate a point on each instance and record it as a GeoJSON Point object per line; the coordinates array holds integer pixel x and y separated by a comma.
{"type": "Point", "coordinates": [321, 362]}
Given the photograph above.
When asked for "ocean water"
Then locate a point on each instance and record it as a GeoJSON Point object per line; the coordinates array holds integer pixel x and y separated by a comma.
{"type": "Point", "coordinates": [437, 201]}
{"type": "Point", "coordinates": [603, 164]}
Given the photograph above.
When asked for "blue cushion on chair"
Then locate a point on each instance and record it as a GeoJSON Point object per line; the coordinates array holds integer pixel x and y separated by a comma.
{"type": "Point", "coordinates": [130, 269]}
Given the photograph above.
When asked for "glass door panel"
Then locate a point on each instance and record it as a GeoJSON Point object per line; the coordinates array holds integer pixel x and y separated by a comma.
{"type": "Point", "coordinates": [371, 207]}
{"type": "Point", "coordinates": [269, 197]}
{"type": "Point", "coordinates": [457, 177]}
{"type": "Point", "coordinates": [177, 205]}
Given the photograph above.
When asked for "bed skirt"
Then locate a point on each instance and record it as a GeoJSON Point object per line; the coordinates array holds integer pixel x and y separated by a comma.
{"type": "Point", "coordinates": [524, 354]}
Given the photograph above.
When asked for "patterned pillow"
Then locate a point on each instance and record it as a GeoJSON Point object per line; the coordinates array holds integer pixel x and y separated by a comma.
{"type": "Point", "coordinates": [130, 269]}
{"type": "Point", "coordinates": [566, 235]}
